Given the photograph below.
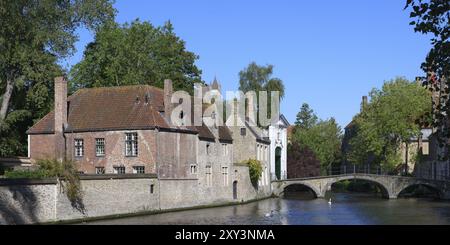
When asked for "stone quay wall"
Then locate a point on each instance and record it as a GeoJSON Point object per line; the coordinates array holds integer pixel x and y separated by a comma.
{"type": "Point", "coordinates": [43, 201]}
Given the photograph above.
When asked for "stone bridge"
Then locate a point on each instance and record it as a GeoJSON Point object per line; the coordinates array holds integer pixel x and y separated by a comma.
{"type": "Point", "coordinates": [391, 185]}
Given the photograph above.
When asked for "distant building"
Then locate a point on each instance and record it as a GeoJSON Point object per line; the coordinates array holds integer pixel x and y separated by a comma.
{"type": "Point", "coordinates": [434, 159]}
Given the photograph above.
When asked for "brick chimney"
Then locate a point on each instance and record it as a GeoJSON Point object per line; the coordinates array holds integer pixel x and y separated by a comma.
{"type": "Point", "coordinates": [168, 107]}
{"type": "Point", "coordinates": [198, 104]}
{"type": "Point", "coordinates": [60, 116]}
{"type": "Point", "coordinates": [363, 103]}
{"type": "Point", "coordinates": [251, 110]}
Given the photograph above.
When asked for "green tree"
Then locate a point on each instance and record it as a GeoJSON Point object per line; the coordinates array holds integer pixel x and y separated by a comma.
{"type": "Point", "coordinates": [136, 53]}
{"type": "Point", "coordinates": [432, 17]}
{"type": "Point", "coordinates": [34, 36]}
{"type": "Point", "coordinates": [324, 139]}
{"type": "Point", "coordinates": [390, 119]}
{"type": "Point", "coordinates": [259, 78]}
{"type": "Point", "coordinates": [306, 118]}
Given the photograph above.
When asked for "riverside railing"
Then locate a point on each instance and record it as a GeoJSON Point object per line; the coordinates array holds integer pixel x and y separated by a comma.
{"type": "Point", "coordinates": [356, 169]}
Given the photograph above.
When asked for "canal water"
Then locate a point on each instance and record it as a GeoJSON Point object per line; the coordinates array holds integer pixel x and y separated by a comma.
{"type": "Point", "coordinates": [345, 209]}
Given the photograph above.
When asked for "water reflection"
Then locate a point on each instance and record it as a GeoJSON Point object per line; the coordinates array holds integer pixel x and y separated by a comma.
{"type": "Point", "coordinates": [346, 209]}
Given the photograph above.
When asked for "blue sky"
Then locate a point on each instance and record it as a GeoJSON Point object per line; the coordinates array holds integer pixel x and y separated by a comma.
{"type": "Point", "coordinates": [328, 53]}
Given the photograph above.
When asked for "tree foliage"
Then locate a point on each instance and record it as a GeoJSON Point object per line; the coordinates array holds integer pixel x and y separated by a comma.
{"type": "Point", "coordinates": [259, 78]}
{"type": "Point", "coordinates": [432, 17]}
{"type": "Point", "coordinates": [136, 53]}
{"type": "Point", "coordinates": [390, 118]}
{"type": "Point", "coordinates": [306, 117]}
{"type": "Point", "coordinates": [301, 161]}
{"type": "Point", "coordinates": [255, 170]}
{"type": "Point", "coordinates": [34, 36]}
{"type": "Point", "coordinates": [323, 137]}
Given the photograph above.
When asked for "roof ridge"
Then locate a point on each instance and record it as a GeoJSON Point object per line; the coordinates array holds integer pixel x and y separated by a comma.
{"type": "Point", "coordinates": [117, 87]}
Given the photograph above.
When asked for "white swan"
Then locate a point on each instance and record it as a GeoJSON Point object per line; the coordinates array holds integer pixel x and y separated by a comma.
{"type": "Point", "coordinates": [329, 202]}
{"type": "Point", "coordinates": [269, 214]}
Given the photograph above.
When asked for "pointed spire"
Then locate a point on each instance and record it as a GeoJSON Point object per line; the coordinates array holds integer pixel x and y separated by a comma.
{"type": "Point", "coordinates": [215, 84]}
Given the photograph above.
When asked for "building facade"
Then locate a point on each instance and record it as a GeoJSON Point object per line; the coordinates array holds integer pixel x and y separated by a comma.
{"type": "Point", "coordinates": [278, 148]}
{"type": "Point", "coordinates": [128, 130]}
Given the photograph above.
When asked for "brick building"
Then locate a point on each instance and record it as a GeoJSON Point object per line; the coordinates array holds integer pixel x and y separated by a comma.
{"type": "Point", "coordinates": [128, 129]}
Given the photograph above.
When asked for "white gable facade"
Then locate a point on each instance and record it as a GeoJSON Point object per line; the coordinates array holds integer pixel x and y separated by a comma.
{"type": "Point", "coordinates": [278, 149]}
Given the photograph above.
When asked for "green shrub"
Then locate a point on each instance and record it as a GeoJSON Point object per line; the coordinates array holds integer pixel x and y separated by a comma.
{"type": "Point", "coordinates": [255, 170]}
{"type": "Point", "coordinates": [52, 168]}
{"type": "Point", "coordinates": [27, 174]}
{"type": "Point", "coordinates": [71, 184]}
{"type": "Point", "coordinates": [3, 170]}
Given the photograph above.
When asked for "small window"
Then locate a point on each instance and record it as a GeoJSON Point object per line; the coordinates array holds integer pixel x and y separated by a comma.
{"type": "Point", "coordinates": [258, 152]}
{"type": "Point", "coordinates": [152, 188]}
{"type": "Point", "coordinates": [265, 153]}
{"type": "Point", "coordinates": [225, 176]}
{"type": "Point", "coordinates": [208, 175]}
{"type": "Point", "coordinates": [208, 149]}
{"type": "Point", "coordinates": [193, 168]}
{"type": "Point", "coordinates": [131, 144]}
{"type": "Point", "coordinates": [243, 131]}
{"type": "Point", "coordinates": [79, 147]}
{"type": "Point", "coordinates": [119, 170]}
{"type": "Point", "coordinates": [100, 147]}
{"type": "Point", "coordinates": [99, 170]}
{"type": "Point", "coordinates": [225, 149]}
{"type": "Point", "coordinates": [138, 170]}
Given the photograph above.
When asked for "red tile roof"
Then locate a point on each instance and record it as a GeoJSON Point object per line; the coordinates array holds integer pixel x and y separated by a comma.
{"type": "Point", "coordinates": [113, 108]}
{"type": "Point", "coordinates": [119, 108]}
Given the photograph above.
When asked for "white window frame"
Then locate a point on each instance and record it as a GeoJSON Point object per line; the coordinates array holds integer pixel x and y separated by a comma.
{"type": "Point", "coordinates": [100, 147]}
{"type": "Point", "coordinates": [118, 170]}
{"type": "Point", "coordinates": [225, 175]}
{"type": "Point", "coordinates": [257, 152]}
{"type": "Point", "coordinates": [208, 173]}
{"type": "Point", "coordinates": [79, 147]}
{"type": "Point", "coordinates": [266, 157]}
{"type": "Point", "coordinates": [138, 169]}
{"type": "Point", "coordinates": [131, 144]}
{"type": "Point", "coordinates": [193, 169]}
{"type": "Point", "coordinates": [225, 149]}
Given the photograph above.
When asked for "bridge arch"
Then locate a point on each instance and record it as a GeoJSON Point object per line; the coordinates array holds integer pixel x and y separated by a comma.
{"type": "Point", "coordinates": [383, 186]}
{"type": "Point", "coordinates": [311, 187]}
{"type": "Point", "coordinates": [431, 186]}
